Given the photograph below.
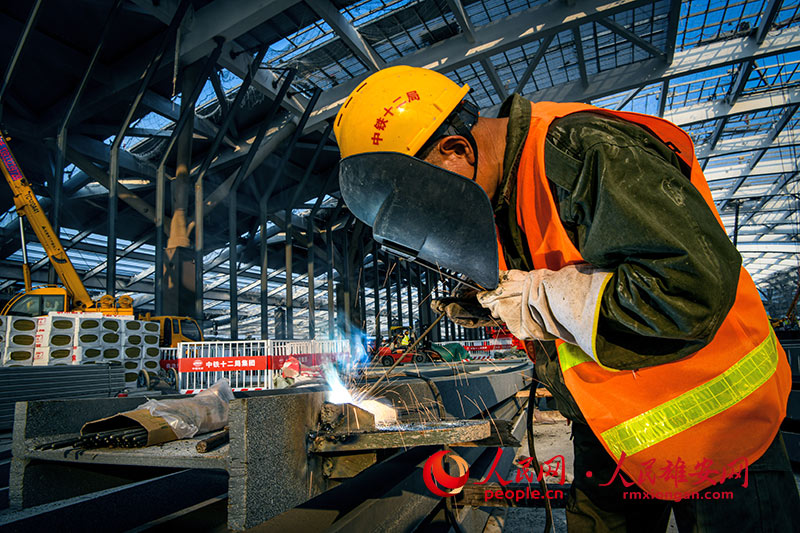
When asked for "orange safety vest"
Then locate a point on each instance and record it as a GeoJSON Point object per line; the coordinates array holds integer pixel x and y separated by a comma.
{"type": "Point", "coordinates": [679, 427]}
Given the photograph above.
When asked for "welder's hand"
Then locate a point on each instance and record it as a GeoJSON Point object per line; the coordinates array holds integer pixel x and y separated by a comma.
{"type": "Point", "coordinates": [463, 309]}
{"type": "Point", "coordinates": [549, 304]}
{"type": "Point", "coordinates": [505, 304]}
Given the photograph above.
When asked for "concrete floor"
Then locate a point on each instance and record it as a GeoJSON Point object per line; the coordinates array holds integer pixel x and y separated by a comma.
{"type": "Point", "coordinates": [551, 434]}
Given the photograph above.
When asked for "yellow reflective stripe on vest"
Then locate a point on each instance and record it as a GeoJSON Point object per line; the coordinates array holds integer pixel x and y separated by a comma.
{"type": "Point", "coordinates": [696, 405]}
{"type": "Point", "coordinates": [570, 355]}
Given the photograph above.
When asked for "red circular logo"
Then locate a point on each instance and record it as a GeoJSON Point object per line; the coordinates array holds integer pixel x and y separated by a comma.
{"type": "Point", "coordinates": [435, 477]}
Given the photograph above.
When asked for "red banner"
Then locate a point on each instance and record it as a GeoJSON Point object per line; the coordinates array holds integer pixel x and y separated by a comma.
{"type": "Point", "coordinates": [218, 364]}
{"type": "Point", "coordinates": [258, 362]}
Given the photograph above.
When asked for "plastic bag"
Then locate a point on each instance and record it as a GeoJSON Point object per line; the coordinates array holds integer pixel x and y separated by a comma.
{"type": "Point", "coordinates": [207, 411]}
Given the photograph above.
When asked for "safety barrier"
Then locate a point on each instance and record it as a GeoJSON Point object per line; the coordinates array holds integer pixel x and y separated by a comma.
{"type": "Point", "coordinates": [485, 349]}
{"type": "Point", "coordinates": [249, 365]}
{"type": "Point", "coordinates": [169, 358]}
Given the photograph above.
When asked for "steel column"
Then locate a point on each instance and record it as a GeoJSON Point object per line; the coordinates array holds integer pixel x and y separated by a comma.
{"type": "Point", "coordinates": [58, 169]}
{"type": "Point", "coordinates": [329, 245]}
{"type": "Point", "coordinates": [376, 293]}
{"type": "Point", "coordinates": [408, 295]}
{"type": "Point", "coordinates": [233, 262]}
{"type": "Point", "coordinates": [399, 293]}
{"type": "Point", "coordinates": [312, 326]}
{"type": "Point", "coordinates": [387, 284]}
{"type": "Point", "coordinates": [347, 284]}
{"type": "Point", "coordinates": [289, 276]}
{"type": "Point", "coordinates": [264, 296]}
{"type": "Point", "coordinates": [199, 197]}
{"type": "Point", "coordinates": [158, 273]}
{"type": "Point", "coordinates": [361, 288]}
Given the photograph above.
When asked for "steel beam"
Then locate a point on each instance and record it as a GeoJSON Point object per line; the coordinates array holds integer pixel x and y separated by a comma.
{"type": "Point", "coordinates": [690, 61]}
{"type": "Point", "coordinates": [8, 77]}
{"type": "Point", "coordinates": [494, 38]}
{"type": "Point", "coordinates": [457, 9]}
{"type": "Point", "coordinates": [768, 15]}
{"type": "Point", "coordinates": [544, 44]}
{"type": "Point", "coordinates": [774, 132]}
{"type": "Point", "coordinates": [347, 33]}
{"type": "Point", "coordinates": [497, 83]}
{"type": "Point", "coordinates": [632, 37]}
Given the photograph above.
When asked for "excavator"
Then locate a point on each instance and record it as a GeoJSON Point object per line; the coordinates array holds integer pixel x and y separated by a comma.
{"type": "Point", "coordinates": [73, 296]}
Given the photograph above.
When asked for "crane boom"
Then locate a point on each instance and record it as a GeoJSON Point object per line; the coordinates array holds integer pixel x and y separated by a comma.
{"type": "Point", "coordinates": [27, 205]}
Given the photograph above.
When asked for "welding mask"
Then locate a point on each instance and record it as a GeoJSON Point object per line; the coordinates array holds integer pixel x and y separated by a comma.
{"type": "Point", "coordinates": [423, 213]}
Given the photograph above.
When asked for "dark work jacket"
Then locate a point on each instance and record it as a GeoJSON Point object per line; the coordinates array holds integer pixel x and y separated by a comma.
{"type": "Point", "coordinates": [676, 270]}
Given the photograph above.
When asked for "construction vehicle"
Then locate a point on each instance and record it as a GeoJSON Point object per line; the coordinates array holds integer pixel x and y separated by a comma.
{"type": "Point", "coordinates": [400, 338]}
{"type": "Point", "coordinates": [73, 296]}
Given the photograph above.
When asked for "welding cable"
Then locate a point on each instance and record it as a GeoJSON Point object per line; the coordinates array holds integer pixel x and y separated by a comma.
{"type": "Point", "coordinates": [437, 396]}
{"type": "Point", "coordinates": [537, 467]}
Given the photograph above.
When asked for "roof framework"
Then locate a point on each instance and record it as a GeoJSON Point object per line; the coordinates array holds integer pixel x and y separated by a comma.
{"type": "Point", "coordinates": [728, 72]}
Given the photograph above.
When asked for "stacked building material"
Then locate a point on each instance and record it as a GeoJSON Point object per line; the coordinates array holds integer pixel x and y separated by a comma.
{"type": "Point", "coordinates": [88, 337]}
{"type": "Point", "coordinates": [151, 354]}
{"type": "Point", "coordinates": [111, 333]}
{"type": "Point", "coordinates": [55, 340]}
{"type": "Point", "coordinates": [20, 341]}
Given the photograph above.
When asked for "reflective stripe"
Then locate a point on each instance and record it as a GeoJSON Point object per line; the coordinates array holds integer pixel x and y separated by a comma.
{"type": "Point", "coordinates": [696, 405]}
{"type": "Point", "coordinates": [570, 355]}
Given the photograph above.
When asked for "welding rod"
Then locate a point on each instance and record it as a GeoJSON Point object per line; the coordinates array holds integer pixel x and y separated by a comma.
{"type": "Point", "coordinates": [411, 347]}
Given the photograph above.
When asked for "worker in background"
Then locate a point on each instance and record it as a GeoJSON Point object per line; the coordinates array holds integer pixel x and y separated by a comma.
{"type": "Point", "coordinates": [610, 245]}
{"type": "Point", "coordinates": [405, 340]}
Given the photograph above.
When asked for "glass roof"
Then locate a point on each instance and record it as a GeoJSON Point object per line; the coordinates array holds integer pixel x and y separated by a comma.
{"type": "Point", "coordinates": [745, 129]}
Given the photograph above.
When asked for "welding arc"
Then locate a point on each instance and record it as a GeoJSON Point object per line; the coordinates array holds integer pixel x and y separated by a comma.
{"type": "Point", "coordinates": [403, 355]}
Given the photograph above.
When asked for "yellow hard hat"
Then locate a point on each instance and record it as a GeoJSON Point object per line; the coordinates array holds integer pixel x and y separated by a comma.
{"type": "Point", "coordinates": [397, 109]}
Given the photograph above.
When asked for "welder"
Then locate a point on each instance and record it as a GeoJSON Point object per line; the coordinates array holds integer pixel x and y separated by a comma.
{"type": "Point", "coordinates": [610, 255]}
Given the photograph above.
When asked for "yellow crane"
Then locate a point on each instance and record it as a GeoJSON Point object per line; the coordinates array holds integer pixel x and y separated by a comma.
{"type": "Point", "coordinates": [73, 296]}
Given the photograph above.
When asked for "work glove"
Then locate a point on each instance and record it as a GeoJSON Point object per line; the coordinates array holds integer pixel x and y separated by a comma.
{"type": "Point", "coordinates": [463, 309]}
{"type": "Point", "coordinates": [549, 304]}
